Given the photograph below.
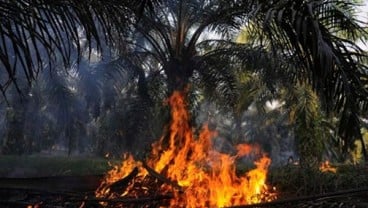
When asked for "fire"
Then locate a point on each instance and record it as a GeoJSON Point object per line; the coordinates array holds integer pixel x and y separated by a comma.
{"type": "Point", "coordinates": [326, 167]}
{"type": "Point", "coordinates": [34, 206]}
{"type": "Point", "coordinates": [205, 176]}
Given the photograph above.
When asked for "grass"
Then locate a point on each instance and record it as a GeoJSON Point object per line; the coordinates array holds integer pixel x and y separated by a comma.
{"type": "Point", "coordinates": [39, 166]}
{"type": "Point", "coordinates": [293, 181]}
{"type": "Point", "coordinates": [289, 180]}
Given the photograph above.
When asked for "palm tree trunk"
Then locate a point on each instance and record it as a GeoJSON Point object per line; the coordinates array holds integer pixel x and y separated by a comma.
{"type": "Point", "coordinates": [68, 135]}
{"type": "Point", "coordinates": [238, 129]}
{"type": "Point", "coordinates": [178, 74]}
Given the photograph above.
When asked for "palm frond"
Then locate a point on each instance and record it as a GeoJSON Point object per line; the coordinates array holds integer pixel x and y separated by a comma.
{"type": "Point", "coordinates": [319, 36]}
{"type": "Point", "coordinates": [303, 104]}
{"type": "Point", "coordinates": [89, 86]}
{"type": "Point", "coordinates": [308, 30]}
{"type": "Point", "coordinates": [34, 34]}
{"type": "Point", "coordinates": [62, 100]}
{"type": "Point", "coordinates": [273, 70]}
{"type": "Point", "coordinates": [349, 128]}
{"type": "Point", "coordinates": [217, 79]}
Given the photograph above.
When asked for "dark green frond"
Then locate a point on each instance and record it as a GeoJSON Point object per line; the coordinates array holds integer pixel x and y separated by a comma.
{"type": "Point", "coordinates": [349, 128]}
{"type": "Point", "coordinates": [124, 72]}
{"type": "Point", "coordinates": [218, 79]}
{"type": "Point", "coordinates": [311, 32]}
{"type": "Point", "coordinates": [319, 36]}
{"type": "Point", "coordinates": [303, 104]}
{"type": "Point", "coordinates": [252, 58]}
{"type": "Point", "coordinates": [35, 34]}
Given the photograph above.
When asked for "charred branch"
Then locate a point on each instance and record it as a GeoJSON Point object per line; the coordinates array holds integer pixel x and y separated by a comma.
{"type": "Point", "coordinates": [162, 178]}
{"type": "Point", "coordinates": [122, 184]}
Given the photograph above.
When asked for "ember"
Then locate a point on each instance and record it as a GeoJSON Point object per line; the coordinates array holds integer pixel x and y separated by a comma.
{"type": "Point", "coordinates": [326, 167]}
{"type": "Point", "coordinates": [190, 169]}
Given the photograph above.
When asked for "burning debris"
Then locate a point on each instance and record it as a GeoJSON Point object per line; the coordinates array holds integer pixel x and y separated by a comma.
{"type": "Point", "coordinates": [326, 167]}
{"type": "Point", "coordinates": [188, 170]}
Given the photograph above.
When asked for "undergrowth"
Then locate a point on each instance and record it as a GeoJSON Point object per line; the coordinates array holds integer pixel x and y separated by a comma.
{"type": "Point", "coordinates": [292, 180]}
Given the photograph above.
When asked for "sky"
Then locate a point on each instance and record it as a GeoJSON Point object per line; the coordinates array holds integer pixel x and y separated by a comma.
{"type": "Point", "coordinates": [364, 17]}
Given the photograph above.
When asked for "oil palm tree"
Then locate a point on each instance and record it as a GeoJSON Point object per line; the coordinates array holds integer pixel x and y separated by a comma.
{"type": "Point", "coordinates": [321, 37]}
{"type": "Point", "coordinates": [172, 44]}
{"type": "Point", "coordinates": [305, 114]}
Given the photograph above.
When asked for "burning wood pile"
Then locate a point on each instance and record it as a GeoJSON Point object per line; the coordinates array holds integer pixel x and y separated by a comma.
{"type": "Point", "coordinates": [183, 170]}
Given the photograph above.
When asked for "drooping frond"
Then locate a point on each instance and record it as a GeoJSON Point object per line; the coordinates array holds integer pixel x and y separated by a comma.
{"type": "Point", "coordinates": [36, 34]}
{"type": "Point", "coordinates": [317, 34]}
{"type": "Point", "coordinates": [303, 104]}
{"type": "Point", "coordinates": [273, 70]}
{"type": "Point", "coordinates": [319, 38]}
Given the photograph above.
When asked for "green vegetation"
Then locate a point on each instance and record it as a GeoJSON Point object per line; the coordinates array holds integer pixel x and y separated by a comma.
{"type": "Point", "coordinates": [292, 181]}
{"type": "Point", "coordinates": [43, 166]}
{"type": "Point", "coordinates": [305, 113]}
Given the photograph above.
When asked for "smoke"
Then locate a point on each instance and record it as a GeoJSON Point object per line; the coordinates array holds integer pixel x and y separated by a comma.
{"type": "Point", "coordinates": [270, 130]}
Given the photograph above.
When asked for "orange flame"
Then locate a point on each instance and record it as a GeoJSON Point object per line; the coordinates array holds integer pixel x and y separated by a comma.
{"type": "Point", "coordinates": [208, 177]}
{"type": "Point", "coordinates": [326, 167]}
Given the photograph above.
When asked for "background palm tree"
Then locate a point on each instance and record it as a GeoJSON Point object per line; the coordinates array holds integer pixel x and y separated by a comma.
{"type": "Point", "coordinates": [320, 37]}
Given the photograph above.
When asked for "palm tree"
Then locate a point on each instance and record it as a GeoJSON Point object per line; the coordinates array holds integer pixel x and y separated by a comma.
{"type": "Point", "coordinates": [319, 38]}
{"type": "Point", "coordinates": [172, 44]}
{"type": "Point", "coordinates": [306, 116]}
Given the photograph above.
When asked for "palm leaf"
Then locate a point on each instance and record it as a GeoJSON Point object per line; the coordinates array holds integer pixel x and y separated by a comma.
{"type": "Point", "coordinates": [309, 31]}
{"type": "Point", "coordinates": [319, 36]}
{"type": "Point", "coordinates": [35, 34]}
{"type": "Point", "coordinates": [217, 78]}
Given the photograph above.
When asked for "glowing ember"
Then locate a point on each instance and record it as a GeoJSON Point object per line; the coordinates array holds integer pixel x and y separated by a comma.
{"type": "Point", "coordinates": [208, 178]}
{"type": "Point", "coordinates": [326, 167]}
{"type": "Point", "coordinates": [34, 206]}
